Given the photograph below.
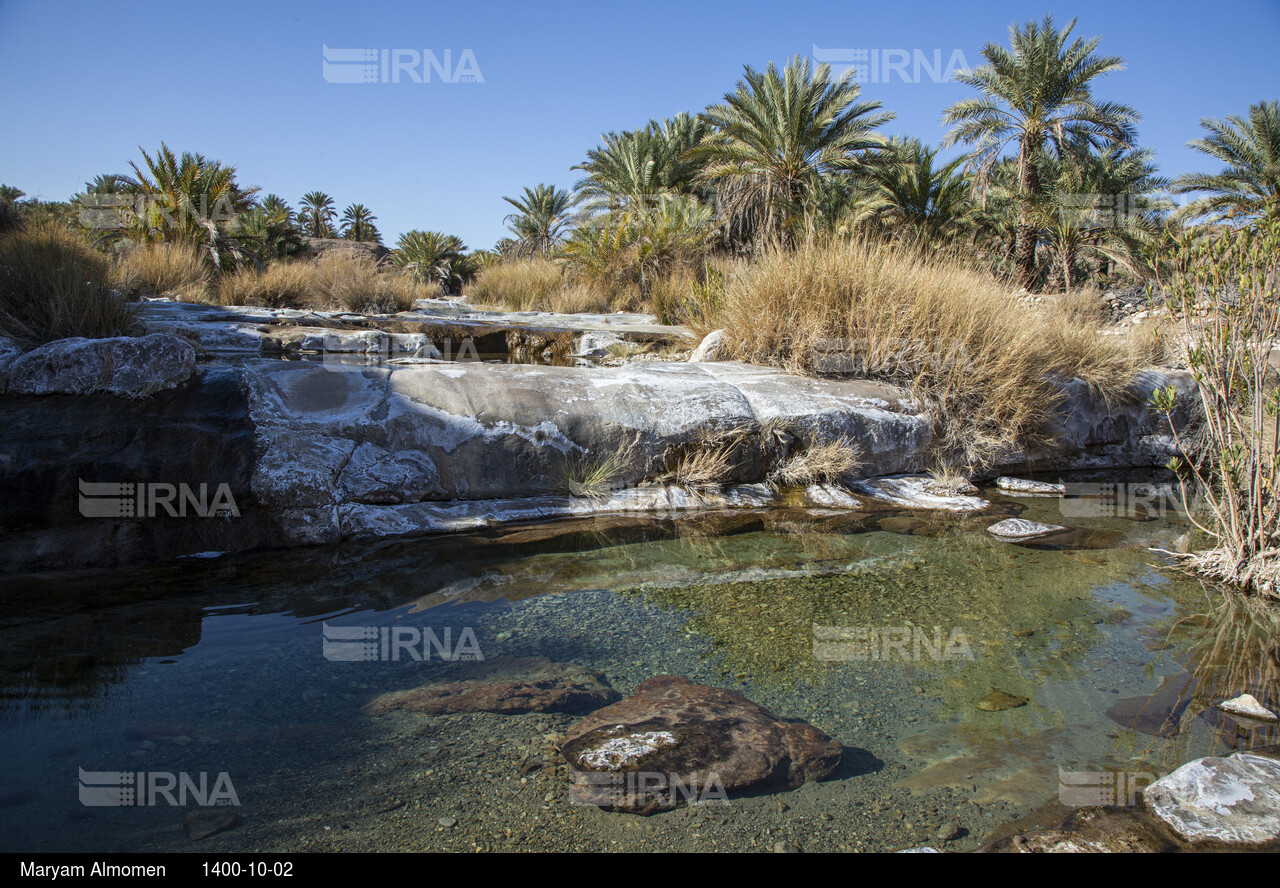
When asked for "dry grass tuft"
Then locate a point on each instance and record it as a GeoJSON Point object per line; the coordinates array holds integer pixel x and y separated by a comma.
{"type": "Point", "coordinates": [820, 464]}
{"type": "Point", "coordinates": [280, 285]}
{"type": "Point", "coordinates": [355, 283]}
{"type": "Point", "coordinates": [987, 368]}
{"type": "Point", "coordinates": [54, 285]}
{"type": "Point", "coordinates": [166, 269]}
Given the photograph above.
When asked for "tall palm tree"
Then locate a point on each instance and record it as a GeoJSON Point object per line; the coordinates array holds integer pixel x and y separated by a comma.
{"type": "Point", "coordinates": [543, 221]}
{"type": "Point", "coordinates": [357, 224]}
{"type": "Point", "coordinates": [1036, 94]}
{"type": "Point", "coordinates": [916, 194]}
{"type": "Point", "coordinates": [316, 215]}
{"type": "Point", "coordinates": [776, 135]}
{"type": "Point", "coordinates": [1248, 187]}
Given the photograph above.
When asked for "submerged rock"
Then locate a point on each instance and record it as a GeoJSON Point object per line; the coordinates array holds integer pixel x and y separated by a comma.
{"type": "Point", "coordinates": [998, 701]}
{"type": "Point", "coordinates": [1025, 487]}
{"type": "Point", "coordinates": [1022, 529]}
{"type": "Point", "coordinates": [125, 366]}
{"type": "Point", "coordinates": [1233, 801]}
{"type": "Point", "coordinates": [675, 741]}
{"type": "Point", "coordinates": [207, 822]}
{"type": "Point", "coordinates": [1248, 706]}
{"type": "Point", "coordinates": [510, 687]}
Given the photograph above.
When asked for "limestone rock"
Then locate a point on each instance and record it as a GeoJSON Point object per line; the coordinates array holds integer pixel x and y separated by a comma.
{"type": "Point", "coordinates": [1022, 529]}
{"type": "Point", "coordinates": [713, 347]}
{"type": "Point", "coordinates": [1233, 801]}
{"type": "Point", "coordinates": [126, 366]}
{"type": "Point", "coordinates": [1027, 487]}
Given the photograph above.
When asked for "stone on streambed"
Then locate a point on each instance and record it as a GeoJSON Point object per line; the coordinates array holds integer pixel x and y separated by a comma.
{"type": "Point", "coordinates": [675, 741]}
{"type": "Point", "coordinates": [1247, 705]}
{"type": "Point", "coordinates": [920, 492]}
{"type": "Point", "coordinates": [125, 366]}
{"type": "Point", "coordinates": [1233, 801]}
{"type": "Point", "coordinates": [510, 686]}
{"type": "Point", "coordinates": [1022, 529]}
{"type": "Point", "coordinates": [1026, 487]}
{"type": "Point", "coordinates": [998, 701]}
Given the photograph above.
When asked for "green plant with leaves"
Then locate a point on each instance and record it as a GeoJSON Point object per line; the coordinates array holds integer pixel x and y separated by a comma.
{"type": "Point", "coordinates": [544, 220]}
{"type": "Point", "coordinates": [357, 224]}
{"type": "Point", "coordinates": [1099, 205]}
{"type": "Point", "coordinates": [187, 198]}
{"type": "Point", "coordinates": [1247, 188]}
{"type": "Point", "coordinates": [1036, 95]}
{"type": "Point", "coordinates": [1227, 307]}
{"type": "Point", "coordinates": [433, 257]}
{"type": "Point", "coordinates": [317, 214]}
{"type": "Point", "coordinates": [635, 167]}
{"type": "Point", "coordinates": [773, 140]}
{"type": "Point", "coordinates": [915, 194]}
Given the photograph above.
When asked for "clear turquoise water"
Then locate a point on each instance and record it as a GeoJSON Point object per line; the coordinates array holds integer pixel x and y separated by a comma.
{"type": "Point", "coordinates": [217, 665]}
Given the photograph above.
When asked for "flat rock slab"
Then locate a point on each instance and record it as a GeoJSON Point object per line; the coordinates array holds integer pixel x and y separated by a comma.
{"type": "Point", "coordinates": [1233, 801]}
{"type": "Point", "coordinates": [1026, 487]}
{"type": "Point", "coordinates": [510, 687]}
{"type": "Point", "coordinates": [1022, 529]}
{"type": "Point", "coordinates": [675, 741]}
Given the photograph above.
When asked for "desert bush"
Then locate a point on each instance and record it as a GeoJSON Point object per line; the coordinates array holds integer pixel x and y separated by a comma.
{"type": "Point", "coordinates": [54, 285]}
{"type": "Point", "coordinates": [1226, 305]}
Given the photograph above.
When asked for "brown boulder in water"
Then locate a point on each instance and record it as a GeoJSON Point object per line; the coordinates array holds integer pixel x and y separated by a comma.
{"type": "Point", "coordinates": [675, 741]}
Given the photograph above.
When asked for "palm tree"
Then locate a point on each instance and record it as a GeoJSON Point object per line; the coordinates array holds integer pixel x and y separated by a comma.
{"type": "Point", "coordinates": [1072, 221]}
{"type": "Point", "coordinates": [316, 215]}
{"type": "Point", "coordinates": [11, 194]}
{"type": "Point", "coordinates": [637, 166]}
{"type": "Point", "coordinates": [1249, 185]}
{"type": "Point", "coordinates": [357, 224]}
{"type": "Point", "coordinates": [1036, 93]}
{"type": "Point", "coordinates": [911, 192]}
{"type": "Point", "coordinates": [433, 256]}
{"type": "Point", "coordinates": [188, 198]}
{"type": "Point", "coordinates": [543, 221]}
{"type": "Point", "coordinates": [776, 136]}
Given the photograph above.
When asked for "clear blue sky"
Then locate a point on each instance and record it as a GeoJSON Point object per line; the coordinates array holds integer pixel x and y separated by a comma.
{"type": "Point", "coordinates": [87, 83]}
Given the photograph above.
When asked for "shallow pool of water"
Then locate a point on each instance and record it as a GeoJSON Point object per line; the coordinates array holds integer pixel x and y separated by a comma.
{"type": "Point", "coordinates": [883, 630]}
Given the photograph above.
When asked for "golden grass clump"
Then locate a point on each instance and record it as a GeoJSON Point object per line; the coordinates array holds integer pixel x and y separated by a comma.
{"type": "Point", "coordinates": [825, 463]}
{"type": "Point", "coordinates": [517, 284]}
{"type": "Point", "coordinates": [54, 285]}
{"type": "Point", "coordinates": [280, 285]}
{"type": "Point", "coordinates": [355, 283]}
{"type": "Point", "coordinates": [986, 367]}
{"type": "Point", "coordinates": [165, 269]}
